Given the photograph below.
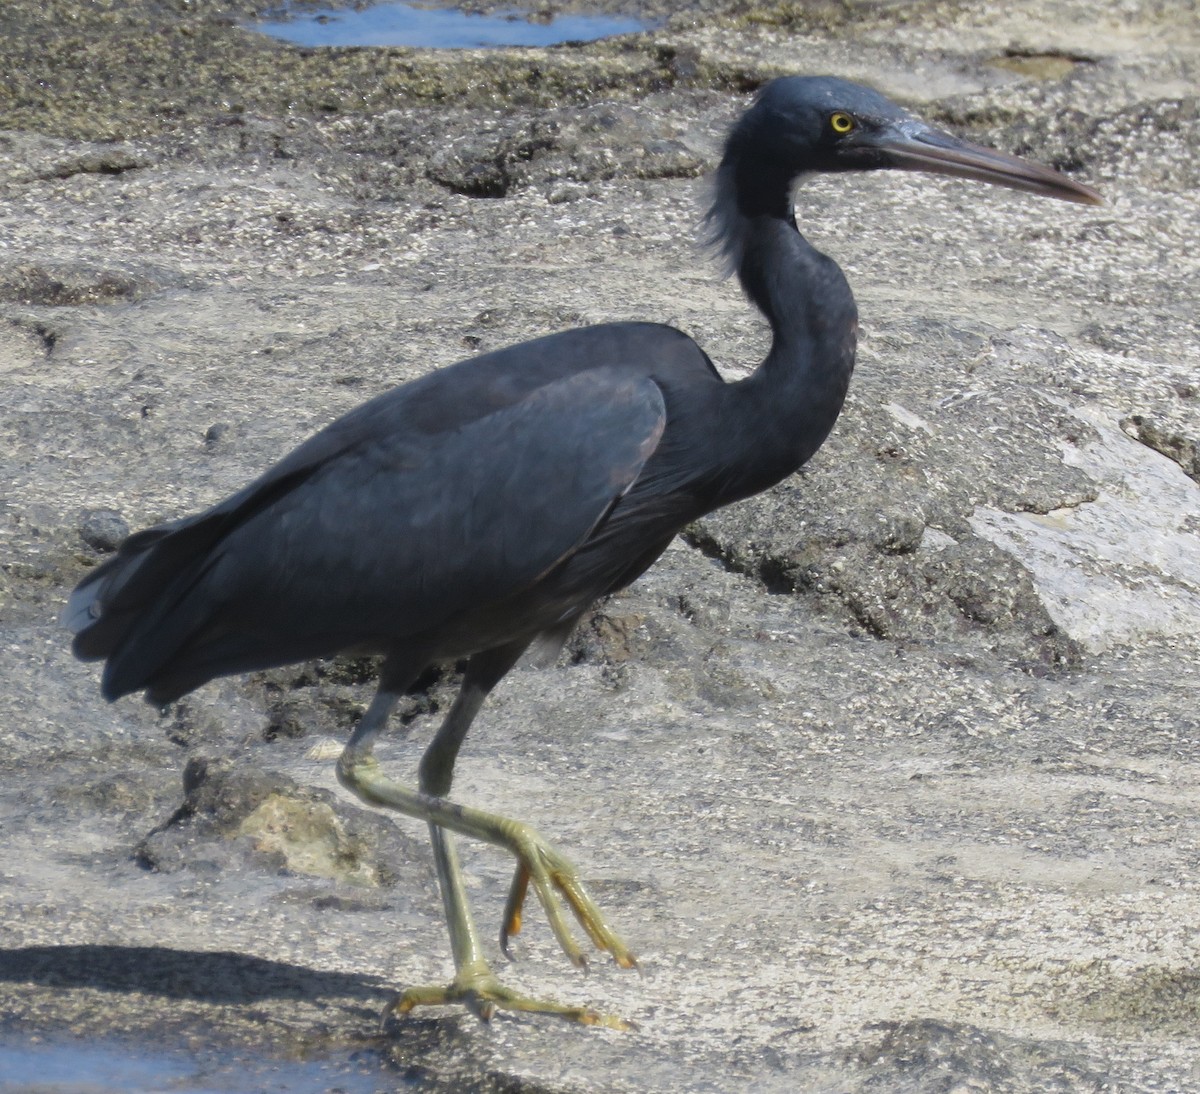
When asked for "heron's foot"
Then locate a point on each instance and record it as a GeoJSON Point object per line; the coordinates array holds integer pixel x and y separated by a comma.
{"type": "Point", "coordinates": [552, 875]}
{"type": "Point", "coordinates": [479, 990]}
{"type": "Point", "coordinates": [538, 864]}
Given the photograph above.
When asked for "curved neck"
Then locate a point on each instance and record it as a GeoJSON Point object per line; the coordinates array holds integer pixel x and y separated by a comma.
{"type": "Point", "coordinates": [785, 410]}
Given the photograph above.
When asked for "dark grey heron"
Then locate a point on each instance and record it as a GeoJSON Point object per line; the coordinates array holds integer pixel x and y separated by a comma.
{"type": "Point", "coordinates": [481, 508]}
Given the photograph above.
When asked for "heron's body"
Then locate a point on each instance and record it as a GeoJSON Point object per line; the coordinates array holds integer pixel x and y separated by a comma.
{"type": "Point", "coordinates": [408, 527]}
{"type": "Point", "coordinates": [487, 505]}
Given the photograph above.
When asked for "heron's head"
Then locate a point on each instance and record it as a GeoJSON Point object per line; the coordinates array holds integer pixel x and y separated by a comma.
{"type": "Point", "coordinates": [820, 123]}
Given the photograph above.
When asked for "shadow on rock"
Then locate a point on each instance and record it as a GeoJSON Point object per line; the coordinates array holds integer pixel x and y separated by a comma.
{"type": "Point", "coordinates": [219, 978]}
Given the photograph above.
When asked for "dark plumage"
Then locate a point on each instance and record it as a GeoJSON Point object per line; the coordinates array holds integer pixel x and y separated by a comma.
{"type": "Point", "coordinates": [485, 506]}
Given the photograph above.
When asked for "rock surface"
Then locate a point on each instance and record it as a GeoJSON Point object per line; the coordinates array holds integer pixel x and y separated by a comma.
{"type": "Point", "coordinates": [889, 775]}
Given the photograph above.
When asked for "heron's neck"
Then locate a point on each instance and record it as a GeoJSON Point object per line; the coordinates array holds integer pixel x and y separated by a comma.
{"type": "Point", "coordinates": [785, 410]}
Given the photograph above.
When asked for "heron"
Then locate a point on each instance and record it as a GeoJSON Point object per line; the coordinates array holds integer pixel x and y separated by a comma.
{"type": "Point", "coordinates": [480, 510]}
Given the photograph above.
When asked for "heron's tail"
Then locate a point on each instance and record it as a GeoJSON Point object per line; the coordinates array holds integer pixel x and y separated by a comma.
{"type": "Point", "coordinates": [126, 612]}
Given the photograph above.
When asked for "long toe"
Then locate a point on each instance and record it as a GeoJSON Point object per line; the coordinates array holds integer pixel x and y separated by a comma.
{"type": "Point", "coordinates": [482, 993]}
{"type": "Point", "coordinates": [550, 873]}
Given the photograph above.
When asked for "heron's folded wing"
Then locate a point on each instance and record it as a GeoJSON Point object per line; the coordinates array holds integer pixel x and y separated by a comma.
{"type": "Point", "coordinates": [464, 517]}
{"type": "Point", "coordinates": [391, 535]}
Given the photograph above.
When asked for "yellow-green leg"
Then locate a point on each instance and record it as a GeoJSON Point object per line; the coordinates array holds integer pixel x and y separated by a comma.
{"type": "Point", "coordinates": [475, 985]}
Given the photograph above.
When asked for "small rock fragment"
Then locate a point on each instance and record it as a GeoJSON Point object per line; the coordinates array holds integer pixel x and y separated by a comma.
{"type": "Point", "coordinates": [103, 529]}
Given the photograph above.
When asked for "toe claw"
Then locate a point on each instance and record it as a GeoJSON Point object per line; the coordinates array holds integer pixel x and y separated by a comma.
{"type": "Point", "coordinates": [511, 924]}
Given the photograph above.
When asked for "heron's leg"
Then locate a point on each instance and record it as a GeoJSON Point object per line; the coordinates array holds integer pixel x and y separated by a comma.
{"type": "Point", "coordinates": [474, 983]}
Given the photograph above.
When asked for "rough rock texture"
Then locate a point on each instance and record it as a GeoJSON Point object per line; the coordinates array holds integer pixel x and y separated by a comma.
{"type": "Point", "coordinates": [889, 775]}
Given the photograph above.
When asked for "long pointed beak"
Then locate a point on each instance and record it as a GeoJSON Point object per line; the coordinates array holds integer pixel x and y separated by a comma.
{"type": "Point", "coordinates": [917, 147]}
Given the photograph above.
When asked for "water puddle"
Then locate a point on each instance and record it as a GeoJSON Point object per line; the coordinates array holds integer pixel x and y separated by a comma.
{"type": "Point", "coordinates": [397, 24]}
{"type": "Point", "coordinates": [71, 1067]}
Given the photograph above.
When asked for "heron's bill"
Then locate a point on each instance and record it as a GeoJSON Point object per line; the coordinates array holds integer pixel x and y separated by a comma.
{"type": "Point", "coordinates": [922, 148]}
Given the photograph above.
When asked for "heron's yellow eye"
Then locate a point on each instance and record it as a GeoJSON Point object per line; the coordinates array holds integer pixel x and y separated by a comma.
{"type": "Point", "coordinates": [841, 123]}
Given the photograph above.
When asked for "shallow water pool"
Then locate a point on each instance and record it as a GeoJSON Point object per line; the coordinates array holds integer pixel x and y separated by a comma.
{"type": "Point", "coordinates": [72, 1067]}
{"type": "Point", "coordinates": [398, 24]}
